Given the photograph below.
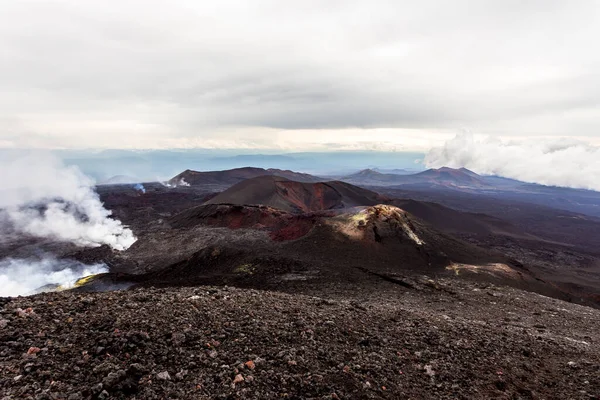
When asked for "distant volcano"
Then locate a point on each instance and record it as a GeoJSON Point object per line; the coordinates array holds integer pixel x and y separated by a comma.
{"type": "Point", "coordinates": [447, 177]}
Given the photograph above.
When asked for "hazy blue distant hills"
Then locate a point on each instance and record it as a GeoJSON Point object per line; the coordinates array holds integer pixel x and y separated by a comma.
{"type": "Point", "coordinates": [401, 170]}
{"type": "Point", "coordinates": [151, 165]}
{"type": "Point", "coordinates": [397, 171]}
{"type": "Point", "coordinates": [435, 184]}
{"type": "Point", "coordinates": [119, 180]}
{"type": "Point", "coordinates": [255, 159]}
{"type": "Point", "coordinates": [447, 177]}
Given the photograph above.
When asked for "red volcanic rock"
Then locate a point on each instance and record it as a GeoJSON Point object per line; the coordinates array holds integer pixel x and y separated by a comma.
{"type": "Point", "coordinates": [281, 225]}
{"type": "Point", "coordinates": [33, 350]}
{"type": "Point", "coordinates": [294, 229]}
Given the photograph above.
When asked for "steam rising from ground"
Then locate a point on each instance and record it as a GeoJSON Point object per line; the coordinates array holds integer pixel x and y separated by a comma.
{"type": "Point", "coordinates": [42, 197]}
{"type": "Point", "coordinates": [182, 182]}
{"type": "Point", "coordinates": [169, 184]}
{"type": "Point", "coordinates": [23, 277]}
{"type": "Point", "coordinates": [559, 162]}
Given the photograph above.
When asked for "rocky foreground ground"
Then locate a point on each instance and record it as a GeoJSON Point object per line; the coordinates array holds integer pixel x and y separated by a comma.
{"type": "Point", "coordinates": [444, 339]}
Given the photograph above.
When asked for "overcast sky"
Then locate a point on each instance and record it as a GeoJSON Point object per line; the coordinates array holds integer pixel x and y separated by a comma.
{"type": "Point", "coordinates": [295, 75]}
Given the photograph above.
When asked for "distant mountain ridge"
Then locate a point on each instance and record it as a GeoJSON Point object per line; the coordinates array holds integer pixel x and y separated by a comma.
{"type": "Point", "coordinates": [442, 176]}
{"type": "Point", "coordinates": [451, 176]}
{"type": "Point", "coordinates": [432, 181]}
{"type": "Point", "coordinates": [396, 171]}
{"type": "Point", "coordinates": [119, 180]}
{"type": "Point", "coordinates": [233, 176]}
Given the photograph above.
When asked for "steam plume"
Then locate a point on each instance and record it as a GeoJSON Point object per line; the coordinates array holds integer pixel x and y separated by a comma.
{"type": "Point", "coordinates": [42, 197]}
{"type": "Point", "coordinates": [22, 277]}
{"type": "Point", "coordinates": [170, 184]}
{"type": "Point", "coordinates": [182, 182]}
{"type": "Point", "coordinates": [560, 162]}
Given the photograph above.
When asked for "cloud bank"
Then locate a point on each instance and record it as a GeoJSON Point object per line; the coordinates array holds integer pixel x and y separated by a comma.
{"type": "Point", "coordinates": [20, 277]}
{"type": "Point", "coordinates": [183, 73]}
{"type": "Point", "coordinates": [41, 197]}
{"type": "Point", "coordinates": [554, 162]}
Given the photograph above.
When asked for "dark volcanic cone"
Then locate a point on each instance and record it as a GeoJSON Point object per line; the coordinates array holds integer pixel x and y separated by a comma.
{"type": "Point", "coordinates": [264, 247]}
{"type": "Point", "coordinates": [297, 197]}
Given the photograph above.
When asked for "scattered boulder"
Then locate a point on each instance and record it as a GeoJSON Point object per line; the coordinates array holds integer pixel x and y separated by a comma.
{"type": "Point", "coordinates": [163, 376]}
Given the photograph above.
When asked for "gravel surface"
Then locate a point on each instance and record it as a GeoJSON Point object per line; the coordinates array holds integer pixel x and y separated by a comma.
{"type": "Point", "coordinates": [442, 339]}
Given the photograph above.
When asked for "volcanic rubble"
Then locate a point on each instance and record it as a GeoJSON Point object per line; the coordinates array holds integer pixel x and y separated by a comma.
{"type": "Point", "coordinates": [437, 339]}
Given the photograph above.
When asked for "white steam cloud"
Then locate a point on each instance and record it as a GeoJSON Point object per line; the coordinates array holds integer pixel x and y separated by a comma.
{"type": "Point", "coordinates": [23, 277]}
{"type": "Point", "coordinates": [559, 162]}
{"type": "Point", "coordinates": [170, 184]}
{"type": "Point", "coordinates": [140, 188]}
{"type": "Point", "coordinates": [42, 197]}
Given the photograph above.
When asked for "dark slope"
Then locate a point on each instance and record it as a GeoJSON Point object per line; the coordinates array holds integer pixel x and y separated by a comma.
{"type": "Point", "coordinates": [453, 221]}
{"type": "Point", "coordinates": [445, 340]}
{"type": "Point", "coordinates": [281, 225]}
{"type": "Point", "coordinates": [233, 176]}
{"type": "Point", "coordinates": [259, 235]}
{"type": "Point", "coordinates": [551, 224]}
{"type": "Point", "coordinates": [294, 196]}
{"type": "Point", "coordinates": [304, 197]}
{"type": "Point", "coordinates": [263, 247]}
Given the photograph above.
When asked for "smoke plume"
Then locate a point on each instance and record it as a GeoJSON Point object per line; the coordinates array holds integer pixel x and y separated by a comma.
{"type": "Point", "coordinates": [559, 162]}
{"type": "Point", "coordinates": [140, 188]}
{"type": "Point", "coordinates": [22, 277]}
{"type": "Point", "coordinates": [170, 184]}
{"type": "Point", "coordinates": [42, 197]}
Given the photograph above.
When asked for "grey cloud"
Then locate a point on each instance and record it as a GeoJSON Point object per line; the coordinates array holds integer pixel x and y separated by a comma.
{"type": "Point", "coordinates": [558, 162]}
{"type": "Point", "coordinates": [189, 67]}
